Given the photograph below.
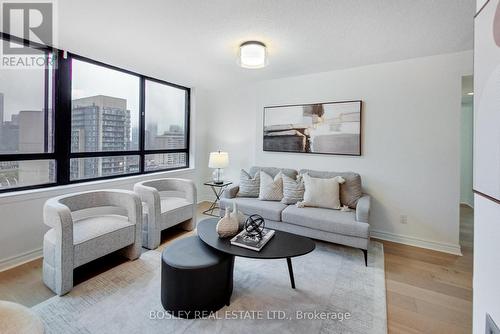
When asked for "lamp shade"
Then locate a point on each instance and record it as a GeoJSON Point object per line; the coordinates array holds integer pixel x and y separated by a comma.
{"type": "Point", "coordinates": [218, 160]}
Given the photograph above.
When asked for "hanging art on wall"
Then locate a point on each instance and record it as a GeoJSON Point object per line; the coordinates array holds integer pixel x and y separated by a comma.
{"type": "Point", "coordinates": [324, 128]}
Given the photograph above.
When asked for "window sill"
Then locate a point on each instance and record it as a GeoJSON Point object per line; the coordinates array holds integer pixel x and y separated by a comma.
{"type": "Point", "coordinates": [119, 182]}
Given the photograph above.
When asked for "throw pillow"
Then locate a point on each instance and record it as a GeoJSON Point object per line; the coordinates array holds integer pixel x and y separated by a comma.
{"type": "Point", "coordinates": [271, 189]}
{"type": "Point", "coordinates": [293, 189]}
{"type": "Point", "coordinates": [249, 187]}
{"type": "Point", "coordinates": [350, 191]}
{"type": "Point", "coordinates": [322, 193]}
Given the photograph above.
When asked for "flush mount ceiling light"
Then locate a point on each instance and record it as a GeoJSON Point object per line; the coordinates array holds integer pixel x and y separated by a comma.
{"type": "Point", "coordinates": [252, 54]}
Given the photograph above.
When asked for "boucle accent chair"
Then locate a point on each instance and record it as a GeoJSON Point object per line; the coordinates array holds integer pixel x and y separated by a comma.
{"type": "Point", "coordinates": [82, 230]}
{"type": "Point", "coordinates": [346, 228]}
{"type": "Point", "coordinates": [167, 202]}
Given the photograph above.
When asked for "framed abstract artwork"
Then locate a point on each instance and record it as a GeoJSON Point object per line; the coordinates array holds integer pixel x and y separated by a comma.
{"type": "Point", "coordinates": [323, 128]}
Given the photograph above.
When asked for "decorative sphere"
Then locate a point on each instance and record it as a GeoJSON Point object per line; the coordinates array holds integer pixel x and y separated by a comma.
{"type": "Point", "coordinates": [254, 225]}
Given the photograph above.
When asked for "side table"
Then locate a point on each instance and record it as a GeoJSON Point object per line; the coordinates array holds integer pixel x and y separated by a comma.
{"type": "Point", "coordinates": [218, 189]}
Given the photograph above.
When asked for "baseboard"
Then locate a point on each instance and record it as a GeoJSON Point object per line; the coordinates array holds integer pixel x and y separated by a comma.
{"type": "Point", "coordinates": [412, 241]}
{"type": "Point", "coordinates": [201, 200]}
{"type": "Point", "coordinates": [17, 260]}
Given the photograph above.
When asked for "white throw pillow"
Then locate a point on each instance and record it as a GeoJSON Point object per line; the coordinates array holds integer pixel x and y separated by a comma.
{"type": "Point", "coordinates": [322, 193]}
{"type": "Point", "coordinates": [270, 189]}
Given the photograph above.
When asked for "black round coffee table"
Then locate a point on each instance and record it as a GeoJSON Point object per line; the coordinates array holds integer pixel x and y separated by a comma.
{"type": "Point", "coordinates": [282, 245]}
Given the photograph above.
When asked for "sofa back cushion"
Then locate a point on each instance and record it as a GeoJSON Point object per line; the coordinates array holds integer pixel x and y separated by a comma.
{"type": "Point", "coordinates": [350, 190]}
{"type": "Point", "coordinates": [273, 171]}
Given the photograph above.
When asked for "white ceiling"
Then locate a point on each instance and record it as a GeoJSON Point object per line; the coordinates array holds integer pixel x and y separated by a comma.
{"type": "Point", "coordinates": [195, 42]}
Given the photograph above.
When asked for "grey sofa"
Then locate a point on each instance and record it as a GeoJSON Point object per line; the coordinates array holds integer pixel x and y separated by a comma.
{"type": "Point", "coordinates": [167, 202]}
{"type": "Point", "coordinates": [86, 226]}
{"type": "Point", "coordinates": [345, 228]}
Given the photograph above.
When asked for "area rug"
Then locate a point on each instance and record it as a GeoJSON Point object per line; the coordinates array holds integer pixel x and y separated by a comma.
{"type": "Point", "coordinates": [335, 293]}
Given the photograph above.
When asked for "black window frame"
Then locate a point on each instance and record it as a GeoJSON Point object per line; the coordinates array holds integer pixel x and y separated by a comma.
{"type": "Point", "coordinates": [61, 110]}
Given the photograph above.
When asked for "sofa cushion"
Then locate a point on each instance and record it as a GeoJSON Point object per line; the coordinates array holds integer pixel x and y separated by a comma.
{"type": "Point", "coordinates": [95, 236]}
{"type": "Point", "coordinates": [350, 191]}
{"type": "Point", "coordinates": [249, 206]}
{"type": "Point", "coordinates": [93, 227]}
{"type": "Point", "coordinates": [172, 203]}
{"type": "Point", "coordinates": [173, 211]}
{"type": "Point", "coordinates": [327, 220]}
{"type": "Point", "coordinates": [273, 171]}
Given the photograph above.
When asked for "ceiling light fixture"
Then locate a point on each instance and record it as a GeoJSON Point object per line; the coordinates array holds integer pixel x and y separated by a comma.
{"type": "Point", "coordinates": [470, 93]}
{"type": "Point", "coordinates": [253, 54]}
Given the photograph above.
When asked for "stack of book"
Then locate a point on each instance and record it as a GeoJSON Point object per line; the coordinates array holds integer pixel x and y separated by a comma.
{"type": "Point", "coordinates": [253, 242]}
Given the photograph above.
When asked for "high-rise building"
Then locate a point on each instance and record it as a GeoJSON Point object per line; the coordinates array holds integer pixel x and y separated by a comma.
{"type": "Point", "coordinates": [100, 123]}
{"type": "Point", "coordinates": [9, 135]}
{"type": "Point", "coordinates": [171, 139]}
{"type": "Point", "coordinates": [32, 140]}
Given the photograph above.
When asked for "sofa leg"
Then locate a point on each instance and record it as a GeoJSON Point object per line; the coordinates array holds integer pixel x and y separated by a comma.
{"type": "Point", "coordinates": [365, 253]}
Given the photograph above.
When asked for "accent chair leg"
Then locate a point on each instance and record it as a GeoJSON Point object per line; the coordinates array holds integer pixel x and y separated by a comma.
{"type": "Point", "coordinates": [365, 253]}
{"type": "Point", "coordinates": [189, 225]}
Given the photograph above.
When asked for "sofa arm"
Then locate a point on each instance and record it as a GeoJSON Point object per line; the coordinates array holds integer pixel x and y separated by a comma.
{"type": "Point", "coordinates": [231, 191]}
{"type": "Point", "coordinates": [363, 209]}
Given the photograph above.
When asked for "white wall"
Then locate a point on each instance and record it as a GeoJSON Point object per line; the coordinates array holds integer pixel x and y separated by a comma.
{"type": "Point", "coordinates": [232, 126]}
{"type": "Point", "coordinates": [466, 144]}
{"type": "Point", "coordinates": [486, 262]}
{"type": "Point", "coordinates": [411, 143]}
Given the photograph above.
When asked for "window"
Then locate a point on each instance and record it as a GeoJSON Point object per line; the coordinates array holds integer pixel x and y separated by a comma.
{"type": "Point", "coordinates": [81, 120]}
{"type": "Point", "coordinates": [26, 126]}
{"type": "Point", "coordinates": [91, 168]}
{"type": "Point", "coordinates": [104, 109]}
{"type": "Point", "coordinates": [165, 116]}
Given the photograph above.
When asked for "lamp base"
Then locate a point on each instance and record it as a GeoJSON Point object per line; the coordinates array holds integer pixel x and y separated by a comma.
{"type": "Point", "coordinates": [217, 176]}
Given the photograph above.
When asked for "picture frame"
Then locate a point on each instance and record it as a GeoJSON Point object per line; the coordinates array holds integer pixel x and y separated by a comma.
{"type": "Point", "coordinates": [332, 128]}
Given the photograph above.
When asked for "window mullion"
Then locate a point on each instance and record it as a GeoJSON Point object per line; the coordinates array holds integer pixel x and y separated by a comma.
{"type": "Point", "coordinates": [62, 130]}
{"type": "Point", "coordinates": [142, 131]}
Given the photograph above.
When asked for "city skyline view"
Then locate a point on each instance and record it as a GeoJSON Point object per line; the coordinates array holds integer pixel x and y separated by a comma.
{"type": "Point", "coordinates": [105, 114]}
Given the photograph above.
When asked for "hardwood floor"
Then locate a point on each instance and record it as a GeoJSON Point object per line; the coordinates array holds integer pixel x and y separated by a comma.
{"type": "Point", "coordinates": [427, 291]}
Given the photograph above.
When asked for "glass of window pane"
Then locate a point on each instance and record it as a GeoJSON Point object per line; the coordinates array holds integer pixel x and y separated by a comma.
{"type": "Point", "coordinates": [15, 174]}
{"type": "Point", "coordinates": [165, 116]}
{"type": "Point", "coordinates": [104, 109]}
{"type": "Point", "coordinates": [165, 161]}
{"type": "Point", "coordinates": [91, 168]}
{"type": "Point", "coordinates": [26, 111]}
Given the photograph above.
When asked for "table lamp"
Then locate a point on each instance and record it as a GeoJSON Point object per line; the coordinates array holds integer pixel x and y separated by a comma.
{"type": "Point", "coordinates": [218, 160]}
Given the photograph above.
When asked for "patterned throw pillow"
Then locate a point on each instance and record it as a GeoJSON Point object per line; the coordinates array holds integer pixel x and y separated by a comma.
{"type": "Point", "coordinates": [270, 189]}
{"type": "Point", "coordinates": [293, 190]}
{"type": "Point", "coordinates": [322, 193]}
{"type": "Point", "coordinates": [249, 187]}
